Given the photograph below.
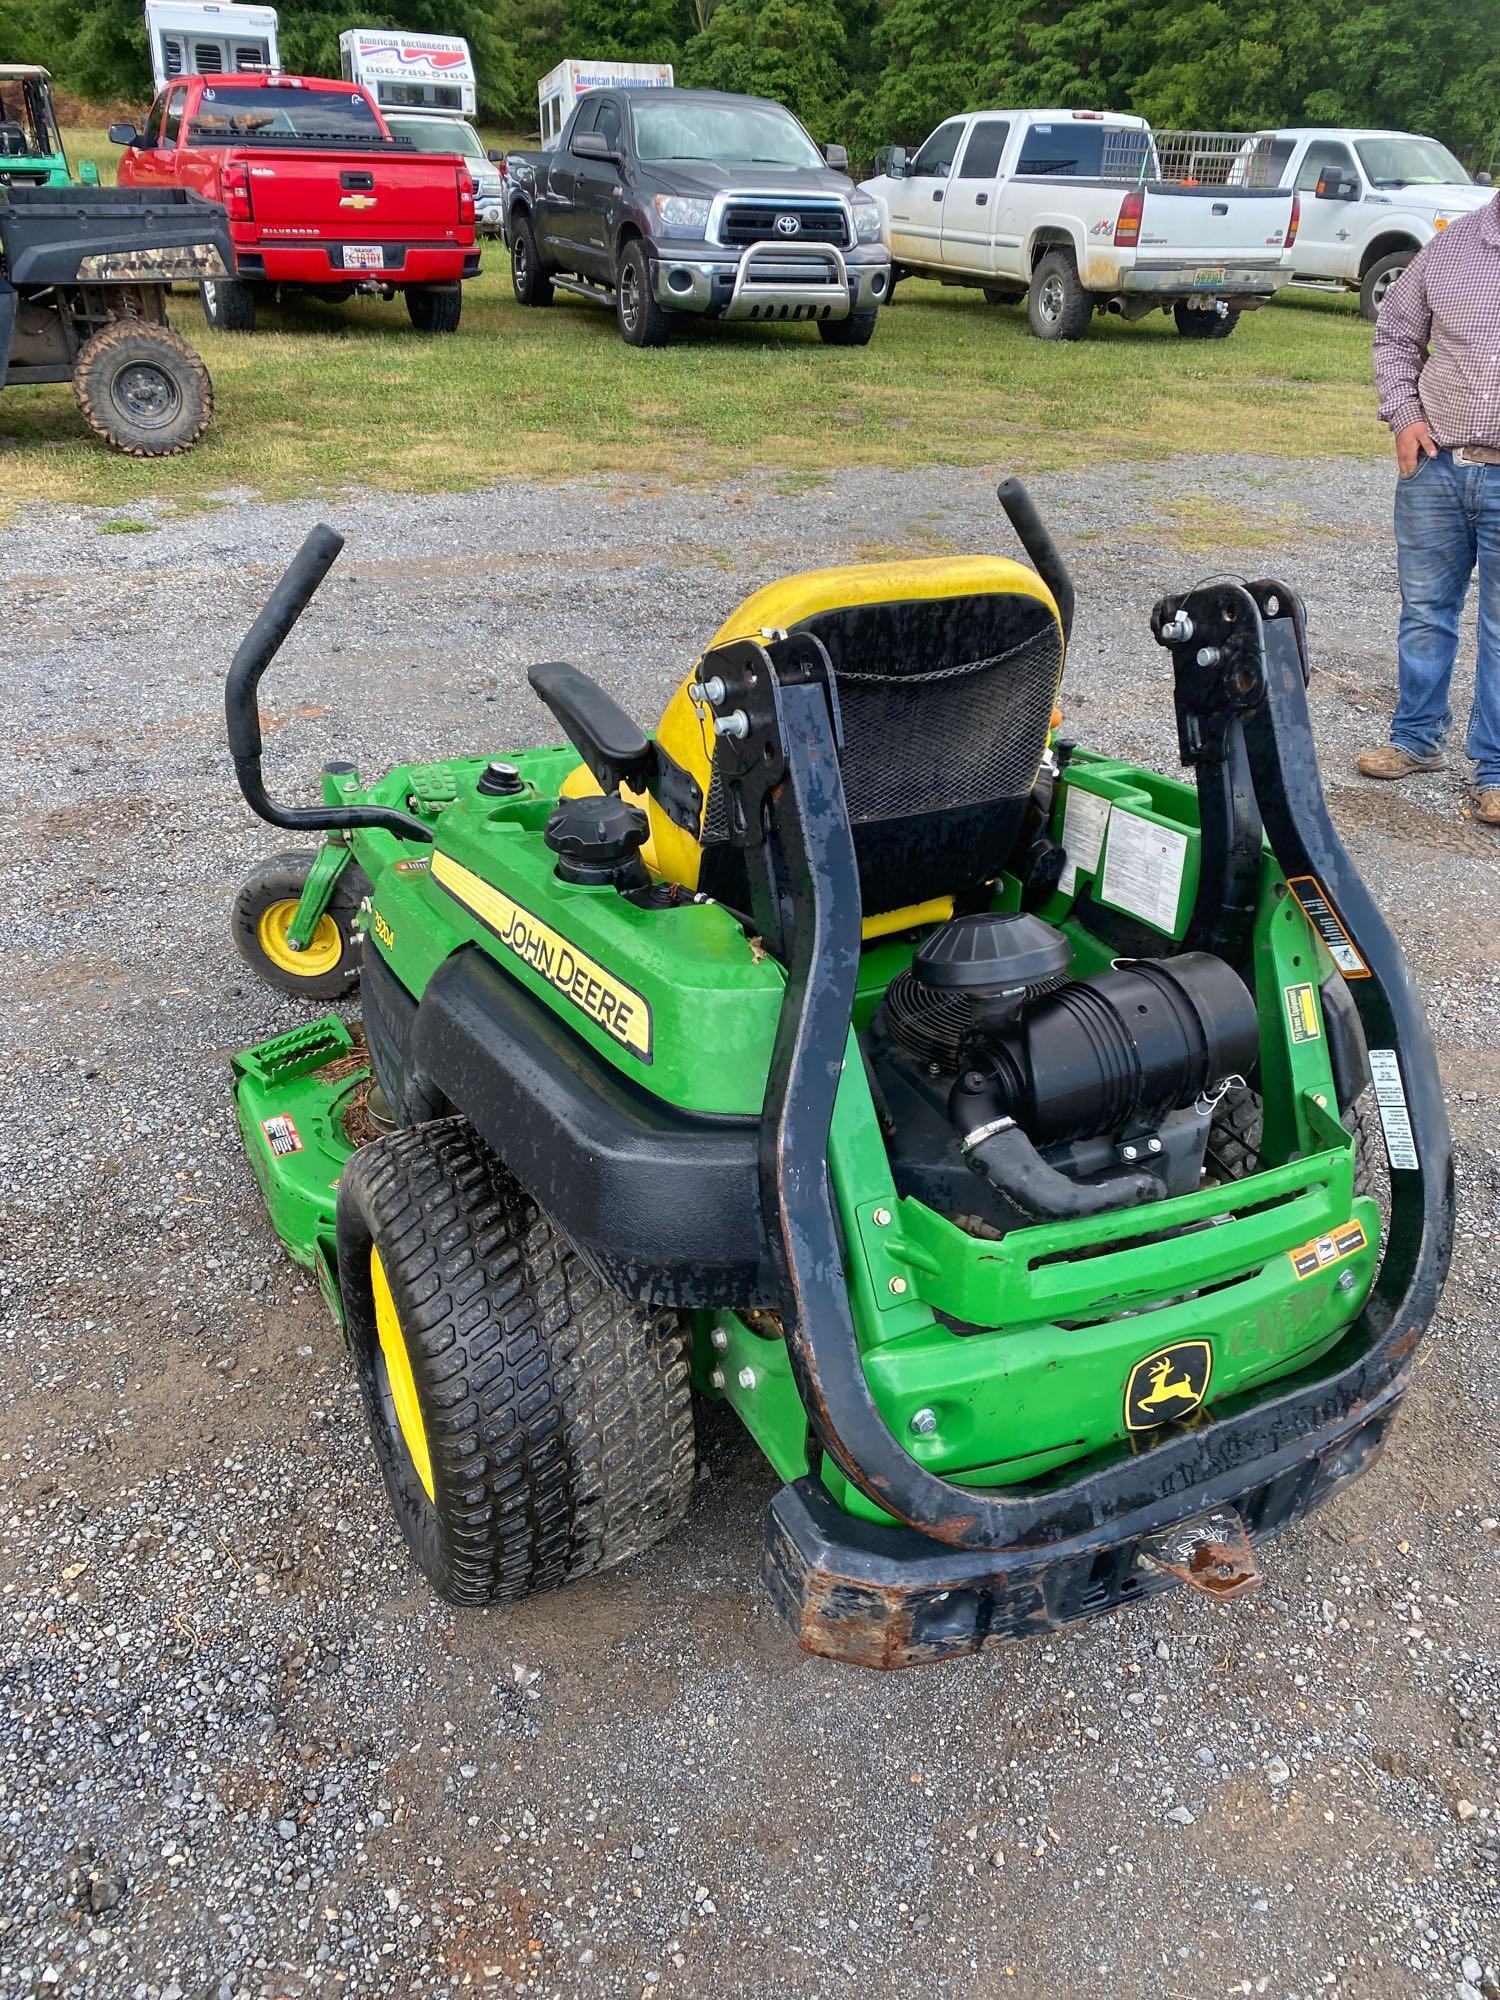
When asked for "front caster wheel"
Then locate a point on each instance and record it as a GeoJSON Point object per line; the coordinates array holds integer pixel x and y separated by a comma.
{"type": "Point", "coordinates": [532, 1425]}
{"type": "Point", "coordinates": [328, 966]}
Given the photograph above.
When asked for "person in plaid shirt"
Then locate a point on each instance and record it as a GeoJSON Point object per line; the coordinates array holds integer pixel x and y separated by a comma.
{"type": "Point", "coordinates": [1437, 367]}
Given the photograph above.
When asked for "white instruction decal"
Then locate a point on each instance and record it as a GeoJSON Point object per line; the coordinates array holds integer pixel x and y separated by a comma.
{"type": "Point", "coordinates": [1143, 866]}
{"type": "Point", "coordinates": [1085, 816]}
{"type": "Point", "coordinates": [1400, 1146]}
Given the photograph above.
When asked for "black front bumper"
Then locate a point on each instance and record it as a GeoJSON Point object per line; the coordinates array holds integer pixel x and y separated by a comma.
{"type": "Point", "coordinates": [877, 1596]}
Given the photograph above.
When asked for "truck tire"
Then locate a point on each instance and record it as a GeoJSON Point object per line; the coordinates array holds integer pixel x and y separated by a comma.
{"type": "Point", "coordinates": [532, 1425]}
{"type": "Point", "coordinates": [1003, 295]}
{"type": "Point", "coordinates": [529, 281]}
{"type": "Point", "coordinates": [1378, 280]}
{"type": "Point", "coordinates": [228, 305]}
{"type": "Point", "coordinates": [329, 968]}
{"type": "Point", "coordinates": [858, 330]}
{"type": "Point", "coordinates": [143, 389]}
{"type": "Point", "coordinates": [1057, 306]}
{"type": "Point", "coordinates": [435, 308]}
{"type": "Point", "coordinates": [1201, 323]}
{"type": "Point", "coordinates": [642, 322]}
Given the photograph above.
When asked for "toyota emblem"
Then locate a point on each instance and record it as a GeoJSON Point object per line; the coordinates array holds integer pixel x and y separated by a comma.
{"type": "Point", "coordinates": [787, 225]}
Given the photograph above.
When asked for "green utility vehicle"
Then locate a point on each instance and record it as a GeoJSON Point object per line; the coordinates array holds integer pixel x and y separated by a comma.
{"type": "Point", "coordinates": [31, 146]}
{"type": "Point", "coordinates": [1044, 1157]}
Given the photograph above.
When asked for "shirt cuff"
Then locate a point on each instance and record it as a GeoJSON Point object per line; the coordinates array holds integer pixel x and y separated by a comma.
{"type": "Point", "coordinates": [1409, 413]}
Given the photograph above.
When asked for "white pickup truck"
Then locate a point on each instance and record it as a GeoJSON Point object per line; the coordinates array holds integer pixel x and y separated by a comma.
{"type": "Point", "coordinates": [1078, 211]}
{"type": "Point", "coordinates": [1370, 200]}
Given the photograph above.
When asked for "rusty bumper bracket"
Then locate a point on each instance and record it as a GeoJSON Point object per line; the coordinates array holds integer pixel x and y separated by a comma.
{"type": "Point", "coordinates": [1211, 1553]}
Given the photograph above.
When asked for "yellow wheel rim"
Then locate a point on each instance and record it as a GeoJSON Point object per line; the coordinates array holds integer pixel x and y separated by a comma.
{"type": "Point", "coordinates": [398, 1373]}
{"type": "Point", "coordinates": [324, 948]}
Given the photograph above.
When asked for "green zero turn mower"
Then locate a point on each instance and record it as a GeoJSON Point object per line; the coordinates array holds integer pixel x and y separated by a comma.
{"type": "Point", "coordinates": [1044, 1157]}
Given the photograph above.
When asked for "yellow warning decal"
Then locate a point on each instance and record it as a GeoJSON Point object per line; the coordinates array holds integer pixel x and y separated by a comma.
{"type": "Point", "coordinates": [1310, 1258]}
{"type": "Point", "coordinates": [608, 1002]}
{"type": "Point", "coordinates": [1302, 1013]}
{"type": "Point", "coordinates": [1168, 1385]}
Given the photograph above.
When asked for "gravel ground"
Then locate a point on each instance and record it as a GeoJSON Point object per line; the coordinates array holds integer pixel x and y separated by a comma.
{"type": "Point", "coordinates": [242, 1751]}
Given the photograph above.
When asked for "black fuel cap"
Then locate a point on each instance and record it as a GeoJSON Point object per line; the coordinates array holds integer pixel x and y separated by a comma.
{"type": "Point", "coordinates": [499, 781]}
{"type": "Point", "coordinates": [597, 840]}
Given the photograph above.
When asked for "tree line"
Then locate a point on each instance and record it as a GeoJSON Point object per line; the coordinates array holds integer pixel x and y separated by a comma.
{"type": "Point", "coordinates": [865, 72]}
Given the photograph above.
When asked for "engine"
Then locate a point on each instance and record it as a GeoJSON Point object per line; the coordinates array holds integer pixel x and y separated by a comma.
{"type": "Point", "coordinates": [1012, 1094]}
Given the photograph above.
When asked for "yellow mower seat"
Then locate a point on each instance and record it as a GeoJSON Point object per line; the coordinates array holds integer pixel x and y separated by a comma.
{"type": "Point", "coordinates": [947, 672]}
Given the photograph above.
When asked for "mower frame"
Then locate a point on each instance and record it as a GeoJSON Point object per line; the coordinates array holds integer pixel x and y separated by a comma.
{"type": "Point", "coordinates": [926, 1567]}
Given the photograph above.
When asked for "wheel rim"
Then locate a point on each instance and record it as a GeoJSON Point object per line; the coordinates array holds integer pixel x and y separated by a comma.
{"type": "Point", "coordinates": [400, 1384]}
{"type": "Point", "coordinates": [630, 296]}
{"type": "Point", "coordinates": [321, 954]}
{"type": "Point", "coordinates": [1381, 286]}
{"type": "Point", "coordinates": [1049, 302]}
{"type": "Point", "coordinates": [518, 262]}
{"type": "Point", "coordinates": [147, 394]}
{"type": "Point", "coordinates": [210, 297]}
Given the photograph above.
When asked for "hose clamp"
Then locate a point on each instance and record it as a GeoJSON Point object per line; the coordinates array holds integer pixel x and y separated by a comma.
{"type": "Point", "coordinates": [982, 1132]}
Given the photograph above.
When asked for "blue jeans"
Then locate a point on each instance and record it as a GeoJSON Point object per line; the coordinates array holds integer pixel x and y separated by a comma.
{"type": "Point", "coordinates": [1447, 523]}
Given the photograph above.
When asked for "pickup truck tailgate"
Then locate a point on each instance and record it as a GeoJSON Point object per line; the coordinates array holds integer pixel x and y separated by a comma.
{"type": "Point", "coordinates": [365, 197]}
{"type": "Point", "coordinates": [1214, 225]}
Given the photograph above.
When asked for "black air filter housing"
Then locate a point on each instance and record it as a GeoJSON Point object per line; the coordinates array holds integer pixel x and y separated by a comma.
{"type": "Point", "coordinates": [998, 964]}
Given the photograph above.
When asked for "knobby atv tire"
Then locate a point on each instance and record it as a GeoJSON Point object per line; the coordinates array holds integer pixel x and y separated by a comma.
{"type": "Point", "coordinates": [857, 330]}
{"type": "Point", "coordinates": [1378, 280]}
{"type": "Point", "coordinates": [556, 1414]}
{"type": "Point", "coordinates": [642, 322]}
{"type": "Point", "coordinates": [143, 389]}
{"type": "Point", "coordinates": [528, 280]}
{"type": "Point", "coordinates": [1202, 323]}
{"type": "Point", "coordinates": [1057, 306]}
{"type": "Point", "coordinates": [279, 881]}
{"type": "Point", "coordinates": [435, 309]}
{"type": "Point", "coordinates": [228, 305]}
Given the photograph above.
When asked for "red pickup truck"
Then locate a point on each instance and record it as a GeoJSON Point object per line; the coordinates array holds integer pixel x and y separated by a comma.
{"type": "Point", "coordinates": [319, 195]}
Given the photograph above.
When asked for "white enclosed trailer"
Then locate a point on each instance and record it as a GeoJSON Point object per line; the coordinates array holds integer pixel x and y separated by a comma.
{"type": "Point", "coordinates": [208, 40]}
{"type": "Point", "coordinates": [405, 72]}
{"type": "Point", "coordinates": [561, 88]}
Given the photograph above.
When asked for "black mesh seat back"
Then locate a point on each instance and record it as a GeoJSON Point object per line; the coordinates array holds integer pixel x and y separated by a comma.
{"type": "Point", "coordinates": [946, 704]}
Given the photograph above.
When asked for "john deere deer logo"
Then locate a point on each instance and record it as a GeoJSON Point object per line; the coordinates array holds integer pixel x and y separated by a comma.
{"type": "Point", "coordinates": [1168, 1385]}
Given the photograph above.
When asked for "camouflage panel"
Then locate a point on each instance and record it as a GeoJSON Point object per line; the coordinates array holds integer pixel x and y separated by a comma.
{"type": "Point", "coordinates": [154, 266]}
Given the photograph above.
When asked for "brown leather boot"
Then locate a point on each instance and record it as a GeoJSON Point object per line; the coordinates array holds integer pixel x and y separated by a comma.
{"type": "Point", "coordinates": [1487, 806]}
{"type": "Point", "coordinates": [1390, 762]}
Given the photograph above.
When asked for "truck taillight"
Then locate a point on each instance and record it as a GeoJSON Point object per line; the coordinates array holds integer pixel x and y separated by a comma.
{"type": "Point", "coordinates": [1296, 222]}
{"type": "Point", "coordinates": [234, 192]}
{"type": "Point", "coordinates": [465, 195]}
{"type": "Point", "coordinates": [1128, 227]}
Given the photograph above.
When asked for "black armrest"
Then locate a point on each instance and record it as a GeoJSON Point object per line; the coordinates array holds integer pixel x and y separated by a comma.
{"type": "Point", "coordinates": [615, 750]}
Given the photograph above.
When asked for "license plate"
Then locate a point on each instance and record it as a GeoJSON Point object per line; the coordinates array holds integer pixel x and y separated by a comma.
{"type": "Point", "coordinates": [363, 257]}
{"type": "Point", "coordinates": [1212, 275]}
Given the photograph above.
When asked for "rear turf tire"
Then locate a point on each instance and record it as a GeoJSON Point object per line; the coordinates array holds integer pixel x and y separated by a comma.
{"type": "Point", "coordinates": [329, 968]}
{"type": "Point", "coordinates": [857, 330]}
{"type": "Point", "coordinates": [1235, 1135]}
{"type": "Point", "coordinates": [532, 1425]}
{"type": "Point", "coordinates": [228, 305]}
{"type": "Point", "coordinates": [435, 308]}
{"type": "Point", "coordinates": [1201, 323]}
{"type": "Point", "coordinates": [1057, 306]}
{"type": "Point", "coordinates": [528, 280]}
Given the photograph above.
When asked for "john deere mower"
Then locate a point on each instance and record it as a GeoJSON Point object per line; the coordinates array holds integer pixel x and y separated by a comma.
{"type": "Point", "coordinates": [1045, 1158]}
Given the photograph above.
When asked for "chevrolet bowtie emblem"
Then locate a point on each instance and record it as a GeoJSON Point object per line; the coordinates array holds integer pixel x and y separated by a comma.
{"type": "Point", "coordinates": [357, 201]}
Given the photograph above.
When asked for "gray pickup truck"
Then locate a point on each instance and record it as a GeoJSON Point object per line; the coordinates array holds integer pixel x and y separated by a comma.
{"type": "Point", "coordinates": [659, 202]}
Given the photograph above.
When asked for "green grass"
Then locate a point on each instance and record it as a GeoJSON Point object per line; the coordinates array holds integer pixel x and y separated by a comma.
{"type": "Point", "coordinates": [326, 396]}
